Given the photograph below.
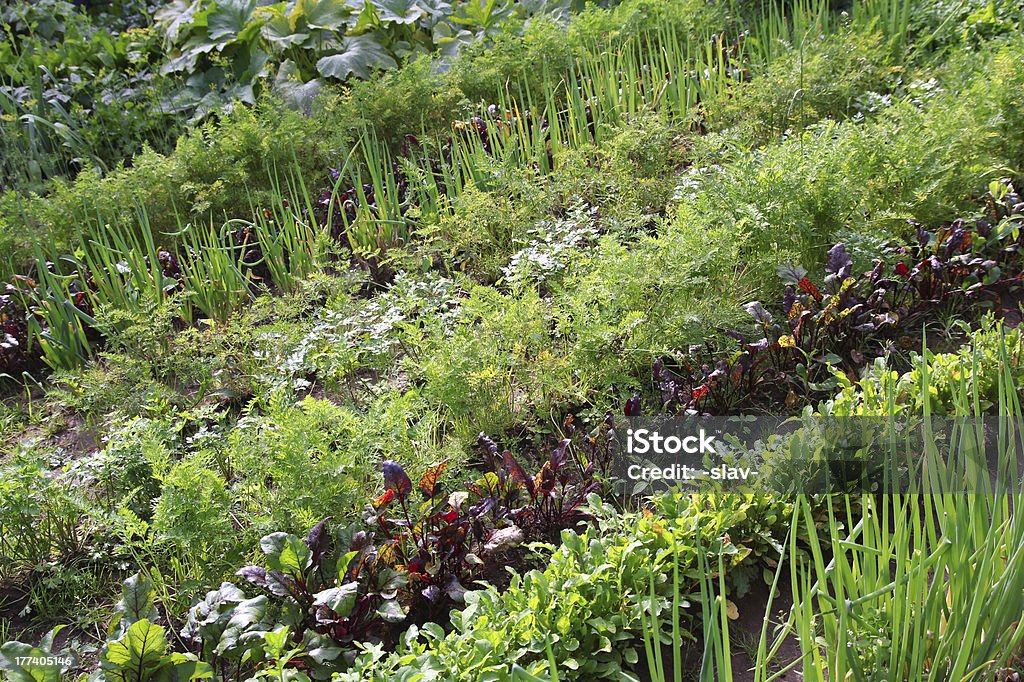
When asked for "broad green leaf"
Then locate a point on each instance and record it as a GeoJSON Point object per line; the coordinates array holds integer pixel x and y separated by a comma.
{"type": "Point", "coordinates": [399, 11]}
{"type": "Point", "coordinates": [136, 600]}
{"type": "Point", "coordinates": [362, 55]}
{"type": "Point", "coordinates": [437, 9]}
{"type": "Point", "coordinates": [344, 563]}
{"type": "Point", "coordinates": [367, 20]}
{"type": "Point", "coordinates": [176, 17]}
{"type": "Point", "coordinates": [243, 617]}
{"type": "Point", "coordinates": [559, 9]}
{"type": "Point", "coordinates": [289, 86]}
{"type": "Point", "coordinates": [320, 648]}
{"type": "Point", "coordinates": [391, 611]}
{"type": "Point", "coordinates": [390, 581]}
{"type": "Point", "coordinates": [325, 14]}
{"type": "Point", "coordinates": [46, 643]}
{"type": "Point", "coordinates": [250, 33]}
{"type": "Point", "coordinates": [449, 40]}
{"type": "Point", "coordinates": [25, 663]}
{"type": "Point", "coordinates": [277, 29]}
{"type": "Point", "coordinates": [285, 552]}
{"type": "Point", "coordinates": [276, 641]}
{"type": "Point", "coordinates": [186, 62]}
{"type": "Point", "coordinates": [201, 42]}
{"type": "Point", "coordinates": [341, 599]}
{"type": "Point", "coordinates": [229, 18]}
{"type": "Point", "coordinates": [210, 617]}
{"type": "Point", "coordinates": [483, 13]}
{"type": "Point", "coordinates": [139, 653]}
{"type": "Point", "coordinates": [245, 71]}
{"type": "Point", "coordinates": [184, 668]}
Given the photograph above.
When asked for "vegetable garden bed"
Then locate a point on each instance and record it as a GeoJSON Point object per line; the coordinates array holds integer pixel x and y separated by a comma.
{"type": "Point", "coordinates": [330, 387]}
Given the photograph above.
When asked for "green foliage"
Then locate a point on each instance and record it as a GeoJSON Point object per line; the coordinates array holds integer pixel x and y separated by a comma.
{"type": "Point", "coordinates": [40, 518]}
{"type": "Point", "coordinates": [328, 589]}
{"type": "Point", "coordinates": [973, 373]}
{"type": "Point", "coordinates": [626, 302]}
{"type": "Point", "coordinates": [23, 662]}
{"type": "Point", "coordinates": [480, 234]}
{"type": "Point", "coordinates": [76, 92]}
{"type": "Point", "coordinates": [964, 25]}
{"type": "Point", "coordinates": [213, 273]}
{"type": "Point", "coordinates": [499, 364]}
{"type": "Point", "coordinates": [218, 169]}
{"type": "Point", "coordinates": [122, 386]}
{"type": "Point", "coordinates": [917, 159]}
{"type": "Point", "coordinates": [838, 76]}
{"type": "Point", "coordinates": [532, 60]}
{"type": "Point", "coordinates": [409, 99]}
{"type": "Point", "coordinates": [122, 269]}
{"type": "Point", "coordinates": [193, 510]}
{"type": "Point", "coordinates": [348, 336]}
{"type": "Point", "coordinates": [924, 622]}
{"type": "Point", "coordinates": [554, 244]}
{"type": "Point", "coordinates": [215, 169]}
{"type": "Point", "coordinates": [128, 469]}
{"type": "Point", "coordinates": [57, 318]}
{"type": "Point", "coordinates": [138, 649]}
{"type": "Point", "coordinates": [299, 463]}
{"type": "Point", "coordinates": [499, 273]}
{"type": "Point", "coordinates": [224, 47]}
{"type": "Point", "coordinates": [587, 606]}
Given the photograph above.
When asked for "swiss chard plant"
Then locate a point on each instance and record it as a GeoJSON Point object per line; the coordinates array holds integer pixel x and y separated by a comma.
{"type": "Point", "coordinates": [329, 590]}
{"type": "Point", "coordinates": [443, 540]}
{"type": "Point", "coordinates": [555, 498]}
{"type": "Point", "coordinates": [137, 647]}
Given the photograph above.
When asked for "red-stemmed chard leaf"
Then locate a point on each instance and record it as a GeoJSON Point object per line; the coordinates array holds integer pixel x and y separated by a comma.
{"type": "Point", "coordinates": [431, 477]}
{"type": "Point", "coordinates": [396, 479]}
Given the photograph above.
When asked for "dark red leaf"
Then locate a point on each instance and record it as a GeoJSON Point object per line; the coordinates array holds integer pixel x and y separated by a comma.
{"type": "Point", "coordinates": [808, 287]}
{"type": "Point", "coordinates": [396, 479]}
{"type": "Point", "coordinates": [317, 539]}
{"type": "Point", "coordinates": [517, 472]}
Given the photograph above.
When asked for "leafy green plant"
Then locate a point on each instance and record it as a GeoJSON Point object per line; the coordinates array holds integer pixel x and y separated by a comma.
{"type": "Point", "coordinates": [23, 662]}
{"type": "Point", "coordinates": [556, 497]}
{"type": "Point", "coordinates": [57, 317]}
{"type": "Point", "coordinates": [851, 320]}
{"type": "Point", "coordinates": [908, 623]}
{"type": "Point", "coordinates": [328, 590]}
{"type": "Point", "coordinates": [213, 271]}
{"type": "Point", "coordinates": [77, 92]}
{"type": "Point", "coordinates": [124, 269]}
{"type": "Point", "coordinates": [286, 242]}
{"type": "Point", "coordinates": [40, 519]}
{"type": "Point", "coordinates": [585, 612]}
{"type": "Point", "coordinates": [193, 509]}
{"type": "Point", "coordinates": [223, 47]}
{"type": "Point", "coordinates": [138, 648]}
